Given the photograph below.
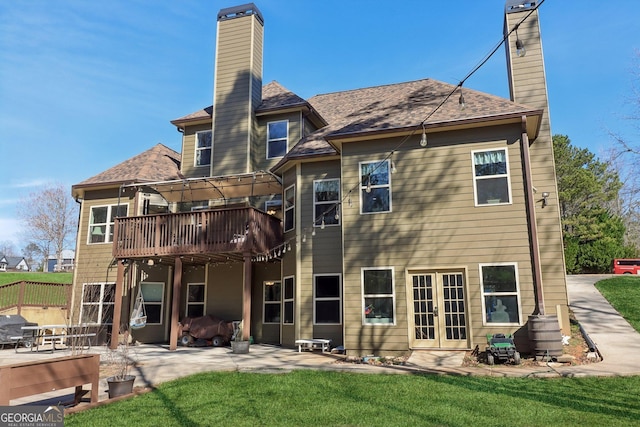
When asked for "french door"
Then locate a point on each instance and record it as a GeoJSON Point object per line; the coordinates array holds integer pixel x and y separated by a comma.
{"type": "Point", "coordinates": [439, 316]}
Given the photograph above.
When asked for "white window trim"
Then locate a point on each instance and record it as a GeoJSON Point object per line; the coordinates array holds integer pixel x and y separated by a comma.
{"type": "Point", "coordinates": [338, 298]}
{"type": "Point", "coordinates": [106, 224]}
{"type": "Point", "coordinates": [161, 303]}
{"type": "Point", "coordinates": [100, 303]}
{"type": "Point", "coordinates": [393, 296]}
{"type": "Point", "coordinates": [477, 178]}
{"type": "Point", "coordinates": [265, 302]}
{"type": "Point", "coordinates": [516, 293]}
{"type": "Point", "coordinates": [328, 204]}
{"type": "Point", "coordinates": [285, 209]}
{"type": "Point", "coordinates": [363, 187]}
{"type": "Point", "coordinates": [196, 149]}
{"type": "Point", "coordinates": [292, 300]}
{"type": "Point", "coordinates": [187, 303]}
{"type": "Point", "coordinates": [269, 139]}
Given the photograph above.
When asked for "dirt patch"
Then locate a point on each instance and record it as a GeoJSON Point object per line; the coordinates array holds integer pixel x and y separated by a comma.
{"type": "Point", "coordinates": [375, 361]}
{"type": "Point", "coordinates": [575, 353]}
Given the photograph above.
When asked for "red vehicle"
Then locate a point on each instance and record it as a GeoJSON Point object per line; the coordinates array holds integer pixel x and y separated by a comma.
{"type": "Point", "coordinates": [626, 266]}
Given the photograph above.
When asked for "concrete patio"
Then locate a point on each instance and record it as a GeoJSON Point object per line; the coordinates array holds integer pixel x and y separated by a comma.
{"type": "Point", "coordinates": [616, 340]}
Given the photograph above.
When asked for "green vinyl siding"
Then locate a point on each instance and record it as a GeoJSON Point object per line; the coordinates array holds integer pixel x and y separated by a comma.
{"type": "Point", "coordinates": [187, 164]}
{"type": "Point", "coordinates": [94, 261]}
{"type": "Point", "coordinates": [434, 224]}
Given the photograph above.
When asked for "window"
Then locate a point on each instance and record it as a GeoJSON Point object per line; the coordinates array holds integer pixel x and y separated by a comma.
{"type": "Point", "coordinates": [491, 177]}
{"type": "Point", "coordinates": [203, 148]}
{"type": "Point", "coordinates": [327, 302]}
{"type": "Point", "coordinates": [192, 206]}
{"type": "Point", "coordinates": [274, 206]}
{"type": "Point", "coordinates": [153, 204]}
{"type": "Point", "coordinates": [101, 222]}
{"type": "Point", "coordinates": [196, 297]}
{"type": "Point", "coordinates": [289, 207]}
{"type": "Point", "coordinates": [288, 300]}
{"type": "Point", "coordinates": [378, 296]}
{"type": "Point", "coordinates": [326, 202]}
{"type": "Point", "coordinates": [500, 294]}
{"type": "Point", "coordinates": [375, 187]}
{"type": "Point", "coordinates": [272, 302]}
{"type": "Point", "coordinates": [153, 294]}
{"type": "Point", "coordinates": [97, 303]}
{"type": "Point", "coordinates": [277, 136]}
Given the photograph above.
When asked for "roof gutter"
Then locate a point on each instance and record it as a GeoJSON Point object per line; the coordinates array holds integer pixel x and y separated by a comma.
{"type": "Point", "coordinates": [532, 129]}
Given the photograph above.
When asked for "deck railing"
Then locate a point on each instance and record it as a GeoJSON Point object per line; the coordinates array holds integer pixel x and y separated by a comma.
{"type": "Point", "coordinates": [34, 294]}
{"type": "Point", "coordinates": [201, 232]}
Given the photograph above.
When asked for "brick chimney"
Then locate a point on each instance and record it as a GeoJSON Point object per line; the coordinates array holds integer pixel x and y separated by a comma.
{"type": "Point", "coordinates": [237, 89]}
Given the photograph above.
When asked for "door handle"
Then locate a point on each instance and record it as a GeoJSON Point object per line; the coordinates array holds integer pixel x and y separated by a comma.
{"type": "Point", "coordinates": [435, 310]}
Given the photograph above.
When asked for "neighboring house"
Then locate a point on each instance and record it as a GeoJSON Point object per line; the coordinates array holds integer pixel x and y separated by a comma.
{"type": "Point", "coordinates": [68, 258]}
{"type": "Point", "coordinates": [345, 216]}
{"type": "Point", "coordinates": [13, 263]}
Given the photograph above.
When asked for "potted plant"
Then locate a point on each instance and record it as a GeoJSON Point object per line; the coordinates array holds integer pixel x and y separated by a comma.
{"type": "Point", "coordinates": [121, 383]}
{"type": "Point", "coordinates": [239, 345]}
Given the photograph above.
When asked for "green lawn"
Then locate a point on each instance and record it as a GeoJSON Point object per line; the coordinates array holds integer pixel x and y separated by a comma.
{"type": "Point", "coordinates": [10, 277]}
{"type": "Point", "coordinates": [623, 292]}
{"type": "Point", "coordinates": [316, 398]}
{"type": "Point", "coordinates": [330, 398]}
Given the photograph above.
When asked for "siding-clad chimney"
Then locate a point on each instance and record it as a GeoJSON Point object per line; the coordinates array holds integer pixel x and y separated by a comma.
{"type": "Point", "coordinates": [527, 79]}
{"type": "Point", "coordinates": [528, 86]}
{"type": "Point", "coordinates": [237, 87]}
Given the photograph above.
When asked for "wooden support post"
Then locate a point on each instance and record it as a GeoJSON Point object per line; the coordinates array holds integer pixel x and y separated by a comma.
{"type": "Point", "coordinates": [246, 298]}
{"type": "Point", "coordinates": [175, 304]}
{"type": "Point", "coordinates": [21, 296]}
{"type": "Point", "coordinates": [117, 306]}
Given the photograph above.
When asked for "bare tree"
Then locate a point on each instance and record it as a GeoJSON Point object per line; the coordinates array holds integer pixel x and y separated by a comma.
{"type": "Point", "coordinates": [49, 217]}
{"type": "Point", "coordinates": [30, 253]}
{"type": "Point", "coordinates": [7, 248]}
{"type": "Point", "coordinates": [624, 156]}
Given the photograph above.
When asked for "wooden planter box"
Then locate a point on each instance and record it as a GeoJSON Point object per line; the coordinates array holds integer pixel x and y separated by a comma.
{"type": "Point", "coordinates": [29, 378]}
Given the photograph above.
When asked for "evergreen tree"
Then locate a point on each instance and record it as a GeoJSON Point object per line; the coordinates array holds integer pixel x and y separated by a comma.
{"type": "Point", "coordinates": [593, 235]}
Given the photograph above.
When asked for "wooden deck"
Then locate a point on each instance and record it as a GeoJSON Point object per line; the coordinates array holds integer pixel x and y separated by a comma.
{"type": "Point", "coordinates": [220, 232]}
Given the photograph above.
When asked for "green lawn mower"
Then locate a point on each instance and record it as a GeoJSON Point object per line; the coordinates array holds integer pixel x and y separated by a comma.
{"type": "Point", "coordinates": [501, 348]}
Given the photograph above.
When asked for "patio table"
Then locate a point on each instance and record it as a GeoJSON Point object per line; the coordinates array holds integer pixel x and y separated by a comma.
{"type": "Point", "coordinates": [55, 334]}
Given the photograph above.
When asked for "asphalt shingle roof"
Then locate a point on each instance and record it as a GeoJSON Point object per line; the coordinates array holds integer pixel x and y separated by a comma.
{"type": "Point", "coordinates": [159, 163]}
{"type": "Point", "coordinates": [274, 96]}
{"type": "Point", "coordinates": [400, 106]}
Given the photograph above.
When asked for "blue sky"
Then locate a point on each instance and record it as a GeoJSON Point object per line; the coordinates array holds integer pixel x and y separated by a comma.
{"type": "Point", "coordinates": [85, 85]}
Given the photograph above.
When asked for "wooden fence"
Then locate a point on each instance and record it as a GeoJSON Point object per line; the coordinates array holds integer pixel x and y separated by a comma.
{"type": "Point", "coordinates": [35, 294]}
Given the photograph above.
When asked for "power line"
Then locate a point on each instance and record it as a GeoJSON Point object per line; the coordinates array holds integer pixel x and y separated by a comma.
{"type": "Point", "coordinates": [483, 61]}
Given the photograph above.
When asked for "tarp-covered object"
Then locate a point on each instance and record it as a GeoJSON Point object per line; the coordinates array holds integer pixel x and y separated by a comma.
{"type": "Point", "coordinates": [207, 327]}
{"type": "Point", "coordinates": [11, 326]}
